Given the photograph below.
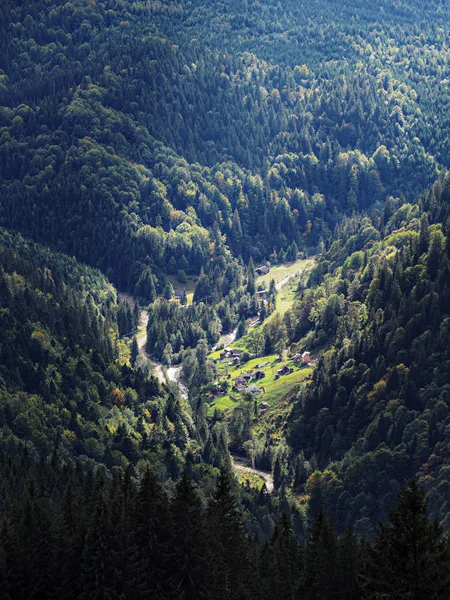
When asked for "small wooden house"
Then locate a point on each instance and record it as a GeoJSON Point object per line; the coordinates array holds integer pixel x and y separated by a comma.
{"type": "Point", "coordinates": [254, 389]}
{"type": "Point", "coordinates": [284, 370]}
{"type": "Point", "coordinates": [258, 375]}
{"type": "Point", "coordinates": [306, 357]}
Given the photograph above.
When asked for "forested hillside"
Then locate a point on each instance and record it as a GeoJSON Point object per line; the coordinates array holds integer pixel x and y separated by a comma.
{"type": "Point", "coordinates": [179, 177]}
{"type": "Point", "coordinates": [73, 535]}
{"type": "Point", "coordinates": [376, 412]}
{"type": "Point", "coordinates": [63, 389]}
{"type": "Point", "coordinates": [96, 97]}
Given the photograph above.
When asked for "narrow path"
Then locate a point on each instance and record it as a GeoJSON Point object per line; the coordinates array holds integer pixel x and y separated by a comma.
{"type": "Point", "coordinates": [226, 339]}
{"type": "Point", "coordinates": [141, 338]}
{"type": "Point", "coordinates": [238, 463]}
{"type": "Point", "coordinates": [285, 280]}
{"type": "Point", "coordinates": [174, 375]}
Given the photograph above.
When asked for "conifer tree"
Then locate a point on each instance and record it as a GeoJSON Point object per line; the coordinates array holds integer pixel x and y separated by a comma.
{"type": "Point", "coordinates": [227, 544]}
{"type": "Point", "coordinates": [168, 291]}
{"type": "Point", "coordinates": [149, 539]}
{"type": "Point", "coordinates": [134, 352]}
{"type": "Point", "coordinates": [348, 565]}
{"type": "Point", "coordinates": [320, 579]}
{"type": "Point", "coordinates": [410, 557]}
{"type": "Point", "coordinates": [285, 564]}
{"type": "Point", "coordinates": [187, 561]}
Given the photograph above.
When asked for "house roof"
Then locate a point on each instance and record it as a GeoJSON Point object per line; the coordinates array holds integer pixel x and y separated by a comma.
{"type": "Point", "coordinates": [305, 353]}
{"type": "Point", "coordinates": [253, 388]}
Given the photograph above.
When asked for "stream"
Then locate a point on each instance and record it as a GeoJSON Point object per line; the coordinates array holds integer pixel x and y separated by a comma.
{"type": "Point", "coordinates": [174, 376]}
{"type": "Point", "coordinates": [173, 373]}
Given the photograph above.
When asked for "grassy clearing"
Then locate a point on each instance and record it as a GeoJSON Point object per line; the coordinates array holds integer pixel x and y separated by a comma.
{"type": "Point", "coordinates": [286, 294]}
{"type": "Point", "coordinates": [178, 287]}
{"type": "Point", "coordinates": [272, 389]}
{"type": "Point", "coordinates": [280, 272]}
{"type": "Point", "coordinates": [251, 479]}
{"type": "Point", "coordinates": [285, 299]}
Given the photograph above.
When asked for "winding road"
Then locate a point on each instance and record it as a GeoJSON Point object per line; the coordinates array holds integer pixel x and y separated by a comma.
{"type": "Point", "coordinates": [238, 463]}
{"type": "Point", "coordinates": [174, 376]}
{"type": "Point", "coordinates": [173, 373]}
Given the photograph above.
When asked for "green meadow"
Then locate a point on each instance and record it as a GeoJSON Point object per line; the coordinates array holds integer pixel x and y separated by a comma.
{"type": "Point", "coordinates": [272, 389]}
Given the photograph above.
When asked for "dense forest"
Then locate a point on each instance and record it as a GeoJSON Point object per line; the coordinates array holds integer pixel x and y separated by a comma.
{"type": "Point", "coordinates": [154, 157]}
{"type": "Point", "coordinates": [379, 299]}
{"type": "Point", "coordinates": [130, 145]}
{"type": "Point", "coordinates": [63, 388]}
{"type": "Point", "coordinates": [71, 534]}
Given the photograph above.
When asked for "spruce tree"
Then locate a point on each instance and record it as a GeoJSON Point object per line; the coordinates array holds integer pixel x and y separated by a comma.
{"type": "Point", "coordinates": [134, 352]}
{"type": "Point", "coordinates": [227, 544]}
{"type": "Point", "coordinates": [410, 557]}
{"type": "Point", "coordinates": [187, 561]}
{"type": "Point", "coordinates": [320, 578]}
{"type": "Point", "coordinates": [285, 564]}
{"type": "Point", "coordinates": [149, 540]}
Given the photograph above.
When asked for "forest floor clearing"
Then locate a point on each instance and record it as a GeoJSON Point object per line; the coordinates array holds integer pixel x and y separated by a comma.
{"type": "Point", "coordinates": [273, 388]}
{"type": "Point", "coordinates": [287, 285]}
{"type": "Point", "coordinates": [264, 476]}
{"type": "Point", "coordinates": [188, 285]}
{"type": "Point", "coordinates": [282, 273]}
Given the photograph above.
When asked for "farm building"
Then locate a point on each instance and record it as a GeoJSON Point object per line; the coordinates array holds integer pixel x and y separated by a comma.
{"type": "Point", "coordinates": [258, 375]}
{"type": "Point", "coordinates": [283, 371]}
{"type": "Point", "coordinates": [230, 353]}
{"type": "Point", "coordinates": [254, 389]}
{"type": "Point", "coordinates": [306, 357]}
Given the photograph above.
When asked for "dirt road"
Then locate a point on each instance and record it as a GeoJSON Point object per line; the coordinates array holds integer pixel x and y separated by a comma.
{"type": "Point", "coordinates": [141, 338]}
{"type": "Point", "coordinates": [238, 464]}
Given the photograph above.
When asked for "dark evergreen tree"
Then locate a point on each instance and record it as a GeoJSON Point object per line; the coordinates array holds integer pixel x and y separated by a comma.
{"type": "Point", "coordinates": [227, 544]}
{"type": "Point", "coordinates": [410, 557]}
{"type": "Point", "coordinates": [134, 352]}
{"type": "Point", "coordinates": [187, 564]}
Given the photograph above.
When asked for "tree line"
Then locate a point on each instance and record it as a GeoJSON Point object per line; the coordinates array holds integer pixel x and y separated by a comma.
{"type": "Point", "coordinates": [67, 533]}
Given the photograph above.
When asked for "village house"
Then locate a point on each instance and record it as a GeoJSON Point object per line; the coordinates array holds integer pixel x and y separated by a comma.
{"type": "Point", "coordinates": [254, 389]}
{"type": "Point", "coordinates": [283, 371]}
{"type": "Point", "coordinates": [261, 293]}
{"type": "Point", "coordinates": [247, 376]}
{"type": "Point", "coordinates": [230, 353]}
{"type": "Point", "coordinates": [240, 381]}
{"type": "Point", "coordinates": [306, 357]}
{"type": "Point", "coordinates": [297, 358]}
{"type": "Point", "coordinates": [262, 270]}
{"type": "Point", "coordinates": [258, 375]}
